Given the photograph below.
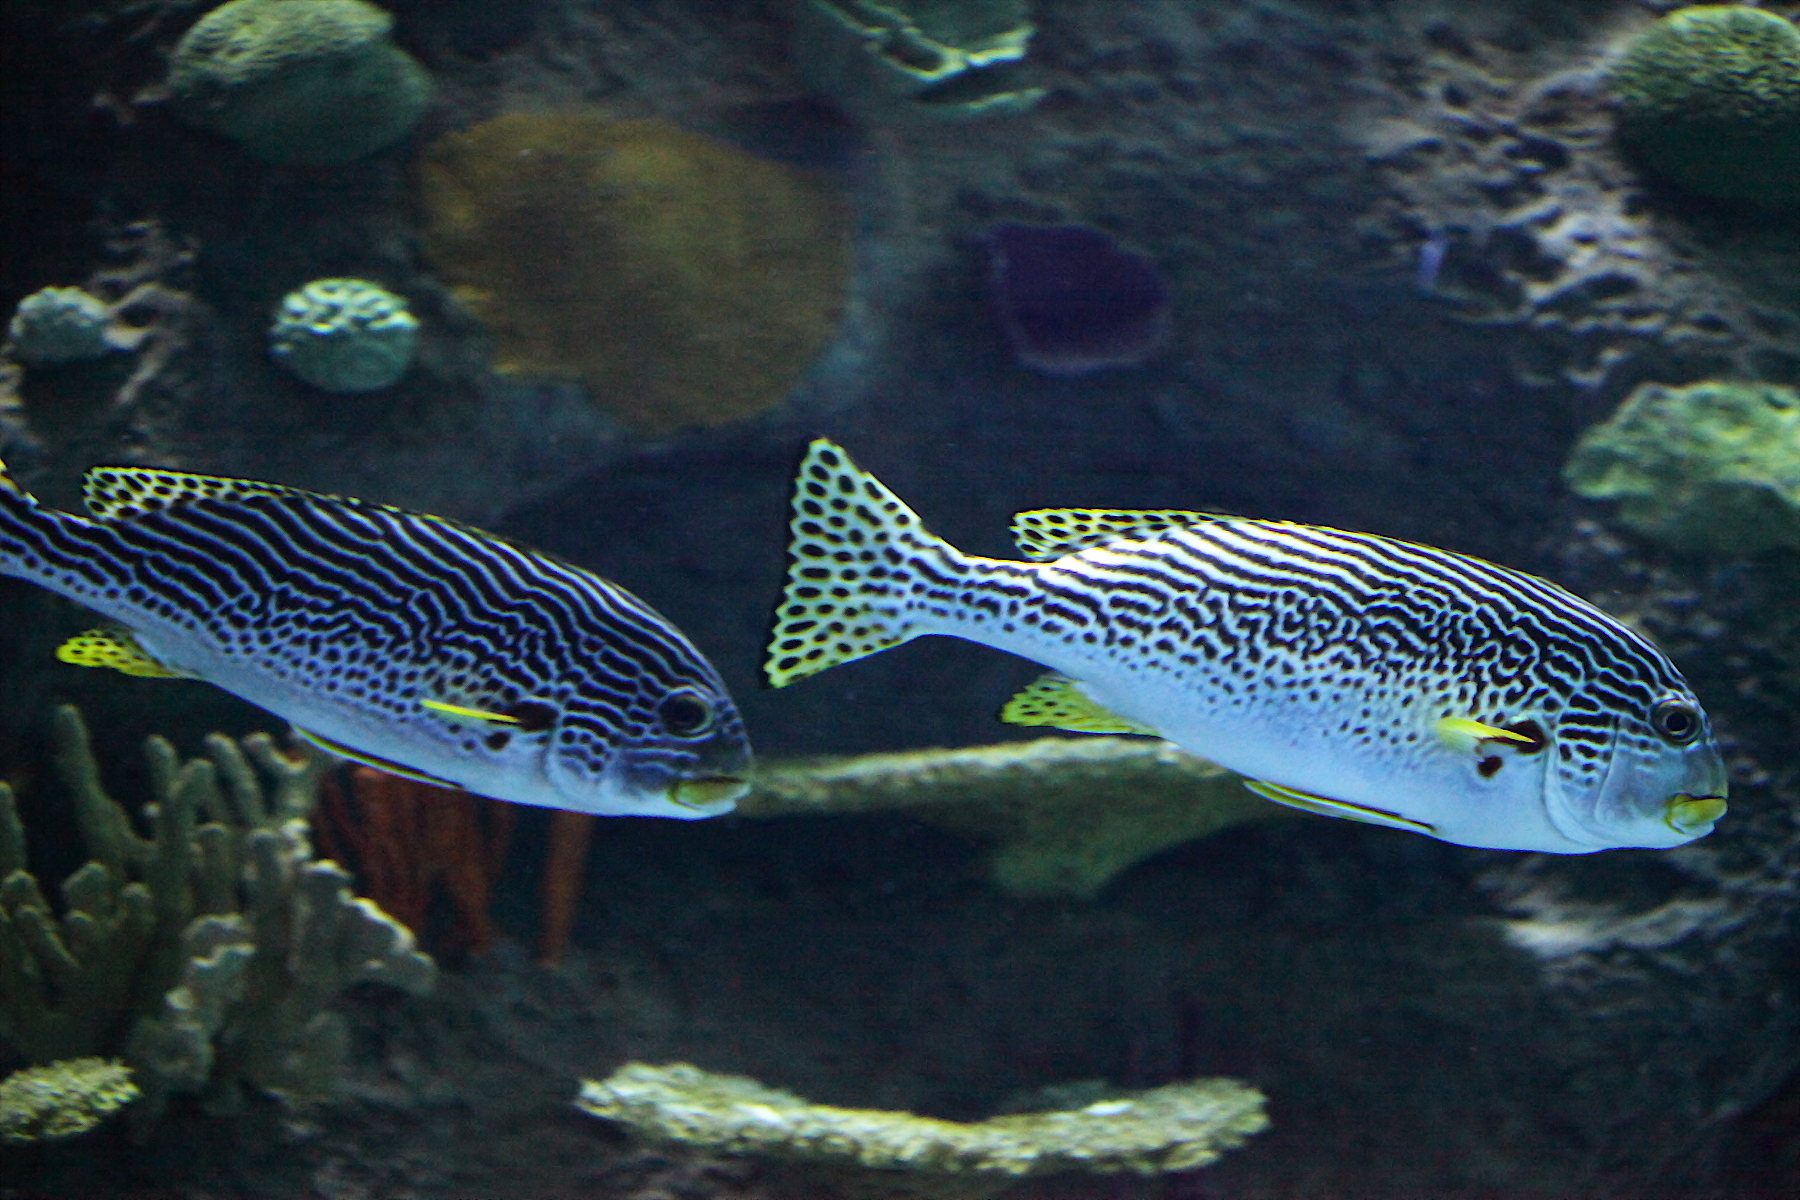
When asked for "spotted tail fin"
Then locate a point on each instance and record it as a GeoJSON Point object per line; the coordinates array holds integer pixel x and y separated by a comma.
{"type": "Point", "coordinates": [854, 550]}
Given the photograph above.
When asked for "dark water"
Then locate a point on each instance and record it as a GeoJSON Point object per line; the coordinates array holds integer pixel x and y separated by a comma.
{"type": "Point", "coordinates": [1400, 264]}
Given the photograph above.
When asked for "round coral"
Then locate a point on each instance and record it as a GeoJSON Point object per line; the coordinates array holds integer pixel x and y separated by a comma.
{"type": "Point", "coordinates": [315, 82]}
{"type": "Point", "coordinates": [1710, 98]}
{"type": "Point", "coordinates": [682, 281]}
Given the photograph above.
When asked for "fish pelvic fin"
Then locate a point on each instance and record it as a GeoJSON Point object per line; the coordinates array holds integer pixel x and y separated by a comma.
{"type": "Point", "coordinates": [1058, 701]}
{"type": "Point", "coordinates": [853, 551]}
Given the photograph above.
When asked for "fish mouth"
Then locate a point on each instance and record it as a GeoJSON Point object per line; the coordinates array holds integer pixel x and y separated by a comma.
{"type": "Point", "coordinates": [703, 792]}
{"type": "Point", "coordinates": [1692, 816]}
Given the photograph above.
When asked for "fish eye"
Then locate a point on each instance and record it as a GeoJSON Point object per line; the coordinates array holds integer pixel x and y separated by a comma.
{"type": "Point", "coordinates": [685, 715]}
{"type": "Point", "coordinates": [1675, 722]}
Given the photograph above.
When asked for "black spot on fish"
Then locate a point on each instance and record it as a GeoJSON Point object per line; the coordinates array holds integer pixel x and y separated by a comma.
{"type": "Point", "coordinates": [1490, 766]}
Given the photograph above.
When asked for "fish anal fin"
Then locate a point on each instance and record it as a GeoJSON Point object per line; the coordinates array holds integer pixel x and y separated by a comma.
{"type": "Point", "coordinates": [384, 765]}
{"type": "Point", "coordinates": [117, 650]}
{"type": "Point", "coordinates": [1058, 701]}
{"type": "Point", "coordinates": [1046, 534]}
{"type": "Point", "coordinates": [122, 493]}
{"type": "Point", "coordinates": [1307, 802]}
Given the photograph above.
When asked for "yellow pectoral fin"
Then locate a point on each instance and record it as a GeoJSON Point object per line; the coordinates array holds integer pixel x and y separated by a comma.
{"type": "Point", "coordinates": [116, 649]}
{"type": "Point", "coordinates": [468, 716]}
{"type": "Point", "coordinates": [1057, 701]}
{"type": "Point", "coordinates": [1307, 802]}
{"type": "Point", "coordinates": [1464, 735]}
{"type": "Point", "coordinates": [384, 765]}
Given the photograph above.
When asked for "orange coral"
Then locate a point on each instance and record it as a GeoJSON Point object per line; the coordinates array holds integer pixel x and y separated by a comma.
{"type": "Point", "coordinates": [682, 281]}
{"type": "Point", "coordinates": [407, 840]}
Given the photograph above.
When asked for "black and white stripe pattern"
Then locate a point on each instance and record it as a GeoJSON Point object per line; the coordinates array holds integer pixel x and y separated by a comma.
{"type": "Point", "coordinates": [310, 604]}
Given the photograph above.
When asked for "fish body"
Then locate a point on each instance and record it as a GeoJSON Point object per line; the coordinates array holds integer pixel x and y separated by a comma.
{"type": "Point", "coordinates": [1342, 673]}
{"type": "Point", "coordinates": [403, 640]}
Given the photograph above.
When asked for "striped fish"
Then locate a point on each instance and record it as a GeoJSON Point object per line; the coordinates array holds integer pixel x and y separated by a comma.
{"type": "Point", "coordinates": [404, 641]}
{"type": "Point", "coordinates": [1341, 673]}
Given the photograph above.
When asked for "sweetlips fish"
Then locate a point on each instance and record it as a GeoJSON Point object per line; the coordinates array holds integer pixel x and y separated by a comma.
{"type": "Point", "coordinates": [1341, 673]}
{"type": "Point", "coordinates": [407, 642]}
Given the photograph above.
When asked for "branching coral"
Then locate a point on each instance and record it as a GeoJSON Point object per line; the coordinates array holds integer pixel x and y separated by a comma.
{"type": "Point", "coordinates": [209, 949]}
{"type": "Point", "coordinates": [682, 281]}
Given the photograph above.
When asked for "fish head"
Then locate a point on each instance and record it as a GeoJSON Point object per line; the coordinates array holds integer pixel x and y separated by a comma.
{"type": "Point", "coordinates": [663, 749]}
{"type": "Point", "coordinates": [1647, 773]}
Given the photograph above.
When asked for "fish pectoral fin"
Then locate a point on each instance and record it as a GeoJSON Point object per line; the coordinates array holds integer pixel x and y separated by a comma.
{"type": "Point", "coordinates": [1046, 534]}
{"type": "Point", "coordinates": [1307, 802]}
{"type": "Point", "coordinates": [1465, 735]}
{"type": "Point", "coordinates": [461, 714]}
{"type": "Point", "coordinates": [384, 765]}
{"type": "Point", "coordinates": [1058, 701]}
{"type": "Point", "coordinates": [117, 649]}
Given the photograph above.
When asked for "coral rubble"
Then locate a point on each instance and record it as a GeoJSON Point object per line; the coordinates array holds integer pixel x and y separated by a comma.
{"type": "Point", "coordinates": [208, 951]}
{"type": "Point", "coordinates": [921, 58]}
{"type": "Point", "coordinates": [62, 1099]}
{"type": "Point", "coordinates": [684, 282]}
{"type": "Point", "coordinates": [1172, 1128]}
{"type": "Point", "coordinates": [1064, 815]}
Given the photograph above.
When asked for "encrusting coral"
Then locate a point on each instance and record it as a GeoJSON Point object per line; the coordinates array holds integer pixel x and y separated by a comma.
{"type": "Point", "coordinates": [681, 281]}
{"type": "Point", "coordinates": [208, 951]}
{"type": "Point", "coordinates": [1173, 1128]}
{"type": "Point", "coordinates": [62, 1099]}
{"type": "Point", "coordinates": [1714, 466]}
{"type": "Point", "coordinates": [1064, 815]}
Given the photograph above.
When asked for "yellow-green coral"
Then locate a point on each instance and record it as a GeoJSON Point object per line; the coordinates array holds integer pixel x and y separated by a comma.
{"type": "Point", "coordinates": [1173, 1128]}
{"type": "Point", "coordinates": [682, 281]}
{"type": "Point", "coordinates": [1064, 815]}
{"type": "Point", "coordinates": [63, 1099]}
{"type": "Point", "coordinates": [209, 951]}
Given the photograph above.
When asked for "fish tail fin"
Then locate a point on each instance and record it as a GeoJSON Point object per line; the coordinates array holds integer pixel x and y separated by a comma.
{"type": "Point", "coordinates": [854, 549]}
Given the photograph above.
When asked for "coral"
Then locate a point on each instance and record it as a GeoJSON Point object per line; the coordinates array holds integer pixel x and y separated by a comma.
{"type": "Point", "coordinates": [1710, 467]}
{"type": "Point", "coordinates": [217, 941]}
{"type": "Point", "coordinates": [1710, 97]}
{"type": "Point", "coordinates": [1173, 1128]}
{"type": "Point", "coordinates": [316, 83]}
{"type": "Point", "coordinates": [930, 58]}
{"type": "Point", "coordinates": [1065, 815]}
{"type": "Point", "coordinates": [56, 325]}
{"type": "Point", "coordinates": [408, 841]}
{"type": "Point", "coordinates": [1072, 301]}
{"type": "Point", "coordinates": [63, 1099]}
{"type": "Point", "coordinates": [560, 892]}
{"type": "Point", "coordinates": [344, 335]}
{"type": "Point", "coordinates": [682, 281]}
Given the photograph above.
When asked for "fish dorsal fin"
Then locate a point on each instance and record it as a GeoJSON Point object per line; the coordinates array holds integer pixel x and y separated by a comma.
{"type": "Point", "coordinates": [1058, 701]}
{"type": "Point", "coordinates": [1045, 534]}
{"type": "Point", "coordinates": [121, 493]}
{"type": "Point", "coordinates": [117, 649]}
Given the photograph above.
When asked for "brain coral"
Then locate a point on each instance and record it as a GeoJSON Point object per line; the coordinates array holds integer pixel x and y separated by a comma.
{"type": "Point", "coordinates": [681, 281]}
{"type": "Point", "coordinates": [1710, 97]}
{"type": "Point", "coordinates": [299, 81]}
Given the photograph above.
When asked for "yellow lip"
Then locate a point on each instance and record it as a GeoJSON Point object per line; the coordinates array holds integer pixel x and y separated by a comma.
{"type": "Point", "coordinates": [709, 791]}
{"type": "Point", "coordinates": [1693, 814]}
